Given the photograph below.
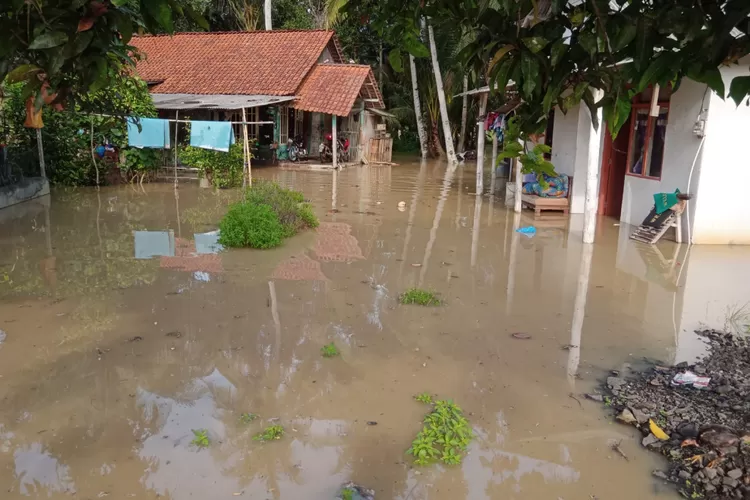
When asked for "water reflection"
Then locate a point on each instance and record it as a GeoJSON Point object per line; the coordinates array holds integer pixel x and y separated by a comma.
{"type": "Point", "coordinates": [117, 353]}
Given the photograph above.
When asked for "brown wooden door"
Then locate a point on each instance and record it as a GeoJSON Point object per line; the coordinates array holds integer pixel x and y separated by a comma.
{"type": "Point", "coordinates": [614, 166]}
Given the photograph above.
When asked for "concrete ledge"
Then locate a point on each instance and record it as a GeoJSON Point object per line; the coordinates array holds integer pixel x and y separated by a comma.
{"type": "Point", "coordinates": [25, 190]}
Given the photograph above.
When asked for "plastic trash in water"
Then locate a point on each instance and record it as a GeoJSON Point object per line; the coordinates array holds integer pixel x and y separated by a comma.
{"type": "Point", "coordinates": [528, 231]}
{"type": "Point", "coordinates": [690, 378]}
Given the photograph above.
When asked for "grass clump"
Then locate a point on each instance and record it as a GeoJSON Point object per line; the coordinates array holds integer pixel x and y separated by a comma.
{"type": "Point", "coordinates": [267, 215]}
{"type": "Point", "coordinates": [200, 438]}
{"type": "Point", "coordinates": [419, 297]}
{"type": "Point", "coordinates": [329, 350]}
{"type": "Point", "coordinates": [424, 398]}
{"type": "Point", "coordinates": [246, 418]}
{"type": "Point", "coordinates": [270, 433]}
{"type": "Point", "coordinates": [444, 437]}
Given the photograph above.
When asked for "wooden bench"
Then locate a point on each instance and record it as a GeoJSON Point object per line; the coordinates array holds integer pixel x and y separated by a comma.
{"type": "Point", "coordinates": [539, 204]}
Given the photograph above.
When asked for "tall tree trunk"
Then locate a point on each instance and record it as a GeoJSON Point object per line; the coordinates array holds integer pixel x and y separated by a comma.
{"type": "Point", "coordinates": [267, 14]}
{"type": "Point", "coordinates": [436, 147]}
{"type": "Point", "coordinates": [464, 116]}
{"type": "Point", "coordinates": [418, 108]}
{"type": "Point", "coordinates": [441, 99]}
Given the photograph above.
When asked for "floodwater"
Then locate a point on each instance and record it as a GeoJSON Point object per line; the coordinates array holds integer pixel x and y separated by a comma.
{"type": "Point", "coordinates": [123, 327]}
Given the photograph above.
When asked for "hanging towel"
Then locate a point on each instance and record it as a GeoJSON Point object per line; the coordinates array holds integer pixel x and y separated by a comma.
{"type": "Point", "coordinates": [152, 133]}
{"type": "Point", "coordinates": [665, 201]}
{"type": "Point", "coordinates": [211, 135]}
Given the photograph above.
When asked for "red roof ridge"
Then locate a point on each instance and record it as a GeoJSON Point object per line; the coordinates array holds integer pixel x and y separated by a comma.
{"type": "Point", "coordinates": [348, 65]}
{"type": "Point", "coordinates": [202, 33]}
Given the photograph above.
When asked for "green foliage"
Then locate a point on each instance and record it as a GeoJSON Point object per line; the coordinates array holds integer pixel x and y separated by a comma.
{"type": "Point", "coordinates": [78, 47]}
{"type": "Point", "coordinates": [67, 134]}
{"type": "Point", "coordinates": [267, 215]}
{"type": "Point", "coordinates": [419, 297]}
{"type": "Point", "coordinates": [347, 494]}
{"type": "Point", "coordinates": [329, 350]}
{"type": "Point", "coordinates": [250, 225]}
{"type": "Point", "coordinates": [560, 54]}
{"type": "Point", "coordinates": [200, 438]}
{"type": "Point", "coordinates": [425, 397]}
{"type": "Point", "coordinates": [246, 418]}
{"type": "Point", "coordinates": [223, 170]}
{"type": "Point", "coordinates": [444, 437]}
{"type": "Point", "coordinates": [295, 215]}
{"type": "Point", "coordinates": [271, 433]}
{"type": "Point", "coordinates": [532, 161]}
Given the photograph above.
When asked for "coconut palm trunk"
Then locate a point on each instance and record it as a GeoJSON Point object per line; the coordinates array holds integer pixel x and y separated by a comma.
{"type": "Point", "coordinates": [464, 116]}
{"type": "Point", "coordinates": [418, 108]}
{"type": "Point", "coordinates": [267, 14]}
{"type": "Point", "coordinates": [450, 152]}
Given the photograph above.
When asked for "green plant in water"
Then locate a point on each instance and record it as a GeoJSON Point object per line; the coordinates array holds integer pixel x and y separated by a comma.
{"type": "Point", "coordinates": [424, 398]}
{"type": "Point", "coordinates": [420, 297]}
{"type": "Point", "coordinates": [347, 494]}
{"type": "Point", "coordinates": [329, 350]}
{"type": "Point", "coordinates": [270, 433]}
{"type": "Point", "coordinates": [246, 418]}
{"type": "Point", "coordinates": [607, 401]}
{"type": "Point", "coordinates": [223, 170]}
{"type": "Point", "coordinates": [294, 214]}
{"type": "Point", "coordinates": [445, 436]}
{"type": "Point", "coordinates": [200, 438]}
{"type": "Point", "coordinates": [247, 225]}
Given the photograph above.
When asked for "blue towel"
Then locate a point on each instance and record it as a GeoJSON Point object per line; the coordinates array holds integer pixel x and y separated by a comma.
{"type": "Point", "coordinates": [211, 135]}
{"type": "Point", "coordinates": [153, 133]}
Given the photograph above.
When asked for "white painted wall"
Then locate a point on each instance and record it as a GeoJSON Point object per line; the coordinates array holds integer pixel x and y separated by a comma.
{"type": "Point", "coordinates": [573, 149]}
{"type": "Point", "coordinates": [679, 152]}
{"type": "Point", "coordinates": [722, 206]}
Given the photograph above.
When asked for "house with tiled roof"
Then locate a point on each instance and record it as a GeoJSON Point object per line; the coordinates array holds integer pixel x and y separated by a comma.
{"type": "Point", "coordinates": [293, 83]}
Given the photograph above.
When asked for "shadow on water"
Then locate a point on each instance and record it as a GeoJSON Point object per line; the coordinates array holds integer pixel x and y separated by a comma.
{"type": "Point", "coordinates": [127, 327]}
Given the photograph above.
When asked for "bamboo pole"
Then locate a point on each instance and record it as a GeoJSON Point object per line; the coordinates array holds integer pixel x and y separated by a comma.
{"type": "Point", "coordinates": [247, 178]}
{"type": "Point", "coordinates": [176, 124]}
{"type": "Point", "coordinates": [493, 165]}
{"type": "Point", "coordinates": [42, 167]}
{"type": "Point", "coordinates": [334, 142]}
{"type": "Point", "coordinates": [93, 156]}
{"type": "Point", "coordinates": [480, 144]}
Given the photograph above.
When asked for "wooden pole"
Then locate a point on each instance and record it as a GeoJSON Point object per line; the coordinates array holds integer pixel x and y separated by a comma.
{"type": "Point", "coordinates": [93, 156]}
{"type": "Point", "coordinates": [247, 178]}
{"type": "Point", "coordinates": [334, 142]}
{"type": "Point", "coordinates": [42, 168]}
{"type": "Point", "coordinates": [176, 124]}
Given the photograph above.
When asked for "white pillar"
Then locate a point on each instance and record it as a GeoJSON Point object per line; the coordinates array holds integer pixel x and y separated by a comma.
{"type": "Point", "coordinates": [334, 142]}
{"type": "Point", "coordinates": [593, 162]}
{"type": "Point", "coordinates": [480, 157]}
{"type": "Point", "coordinates": [519, 186]}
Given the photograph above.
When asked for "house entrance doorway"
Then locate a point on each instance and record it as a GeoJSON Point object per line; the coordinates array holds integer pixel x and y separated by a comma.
{"type": "Point", "coordinates": [614, 166]}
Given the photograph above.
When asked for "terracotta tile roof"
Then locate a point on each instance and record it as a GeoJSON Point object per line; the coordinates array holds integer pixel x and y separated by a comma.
{"type": "Point", "coordinates": [256, 62]}
{"type": "Point", "coordinates": [333, 88]}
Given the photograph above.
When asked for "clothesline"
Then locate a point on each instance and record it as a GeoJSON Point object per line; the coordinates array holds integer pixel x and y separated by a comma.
{"type": "Point", "coordinates": [174, 120]}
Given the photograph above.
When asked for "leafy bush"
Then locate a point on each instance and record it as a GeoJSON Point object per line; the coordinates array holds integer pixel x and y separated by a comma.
{"type": "Point", "coordinates": [445, 435]}
{"type": "Point", "coordinates": [67, 134]}
{"type": "Point", "coordinates": [267, 215]}
{"type": "Point", "coordinates": [419, 297]}
{"type": "Point", "coordinates": [222, 170]}
{"type": "Point", "coordinates": [249, 225]}
{"type": "Point", "coordinates": [295, 215]}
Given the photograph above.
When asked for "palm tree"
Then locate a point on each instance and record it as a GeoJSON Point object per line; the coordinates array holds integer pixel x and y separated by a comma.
{"type": "Point", "coordinates": [441, 98]}
{"type": "Point", "coordinates": [418, 108]}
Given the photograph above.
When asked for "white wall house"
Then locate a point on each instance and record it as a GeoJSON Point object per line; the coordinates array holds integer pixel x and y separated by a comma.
{"type": "Point", "coordinates": [661, 154]}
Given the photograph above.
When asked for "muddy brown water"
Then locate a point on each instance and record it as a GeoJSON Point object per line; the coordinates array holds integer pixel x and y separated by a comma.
{"type": "Point", "coordinates": [125, 330]}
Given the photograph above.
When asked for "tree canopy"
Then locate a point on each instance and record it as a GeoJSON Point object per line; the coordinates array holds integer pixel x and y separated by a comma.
{"type": "Point", "coordinates": [63, 48]}
{"type": "Point", "coordinates": [559, 53]}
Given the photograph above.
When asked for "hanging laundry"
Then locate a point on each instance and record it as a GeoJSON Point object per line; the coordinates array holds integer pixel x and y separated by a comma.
{"type": "Point", "coordinates": [211, 135]}
{"type": "Point", "coordinates": [152, 133]}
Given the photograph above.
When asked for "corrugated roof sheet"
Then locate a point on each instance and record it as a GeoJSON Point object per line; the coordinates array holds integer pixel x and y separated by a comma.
{"type": "Point", "coordinates": [239, 63]}
{"type": "Point", "coordinates": [333, 88]}
{"type": "Point", "coordinates": [223, 101]}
